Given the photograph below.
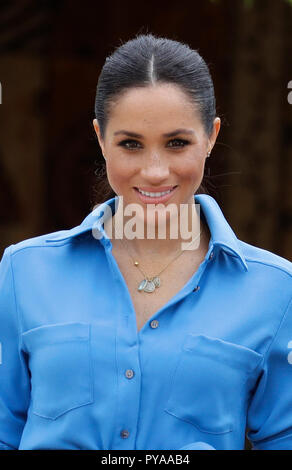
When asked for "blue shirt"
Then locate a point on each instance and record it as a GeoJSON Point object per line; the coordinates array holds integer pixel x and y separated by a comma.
{"type": "Point", "coordinates": [76, 374]}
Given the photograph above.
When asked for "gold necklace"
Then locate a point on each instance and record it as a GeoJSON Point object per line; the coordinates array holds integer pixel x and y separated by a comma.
{"type": "Point", "coordinates": [149, 284]}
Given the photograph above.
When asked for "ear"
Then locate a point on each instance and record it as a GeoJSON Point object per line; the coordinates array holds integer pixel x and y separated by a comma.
{"type": "Point", "coordinates": [215, 132]}
{"type": "Point", "coordinates": [97, 131]}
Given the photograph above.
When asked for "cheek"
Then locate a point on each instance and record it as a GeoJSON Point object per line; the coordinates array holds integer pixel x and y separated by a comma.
{"type": "Point", "coordinates": [191, 168]}
{"type": "Point", "coordinates": [118, 171]}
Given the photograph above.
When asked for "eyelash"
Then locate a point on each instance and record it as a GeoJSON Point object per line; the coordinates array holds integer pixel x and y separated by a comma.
{"type": "Point", "coordinates": [124, 142]}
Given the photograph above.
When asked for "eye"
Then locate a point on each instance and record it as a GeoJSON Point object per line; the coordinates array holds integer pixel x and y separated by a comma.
{"type": "Point", "coordinates": [128, 144]}
{"type": "Point", "coordinates": [131, 144]}
{"type": "Point", "coordinates": [179, 142]}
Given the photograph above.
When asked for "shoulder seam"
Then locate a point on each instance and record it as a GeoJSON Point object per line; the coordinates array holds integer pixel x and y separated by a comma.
{"type": "Point", "coordinates": [18, 250]}
{"type": "Point", "coordinates": [265, 264]}
{"type": "Point", "coordinates": [269, 264]}
{"type": "Point", "coordinates": [45, 245]}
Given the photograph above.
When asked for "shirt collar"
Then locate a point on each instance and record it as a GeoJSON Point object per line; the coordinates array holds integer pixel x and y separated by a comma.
{"type": "Point", "coordinates": [222, 234]}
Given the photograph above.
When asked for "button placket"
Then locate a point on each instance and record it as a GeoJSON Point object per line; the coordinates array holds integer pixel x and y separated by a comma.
{"type": "Point", "coordinates": [127, 407]}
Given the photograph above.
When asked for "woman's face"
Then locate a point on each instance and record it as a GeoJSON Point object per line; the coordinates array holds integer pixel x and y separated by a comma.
{"type": "Point", "coordinates": [139, 153]}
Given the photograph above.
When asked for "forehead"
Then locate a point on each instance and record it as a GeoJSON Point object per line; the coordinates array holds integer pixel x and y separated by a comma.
{"type": "Point", "coordinates": [154, 105]}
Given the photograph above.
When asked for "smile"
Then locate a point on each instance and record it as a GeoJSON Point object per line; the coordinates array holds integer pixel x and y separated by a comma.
{"type": "Point", "coordinates": [154, 194]}
{"type": "Point", "coordinates": [155, 197]}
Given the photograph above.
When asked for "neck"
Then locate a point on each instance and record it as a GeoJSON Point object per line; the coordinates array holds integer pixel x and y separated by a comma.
{"type": "Point", "coordinates": [162, 245]}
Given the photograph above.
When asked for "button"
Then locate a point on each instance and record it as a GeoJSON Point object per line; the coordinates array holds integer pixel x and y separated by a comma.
{"type": "Point", "coordinates": [124, 433]}
{"type": "Point", "coordinates": [196, 288]}
{"type": "Point", "coordinates": [154, 324]}
{"type": "Point", "coordinates": [129, 373]}
{"type": "Point", "coordinates": [211, 255]}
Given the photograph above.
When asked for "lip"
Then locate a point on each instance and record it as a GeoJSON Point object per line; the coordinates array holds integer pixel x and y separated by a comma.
{"type": "Point", "coordinates": [156, 200]}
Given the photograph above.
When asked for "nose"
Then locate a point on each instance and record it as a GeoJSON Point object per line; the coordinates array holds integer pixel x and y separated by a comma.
{"type": "Point", "coordinates": [155, 169]}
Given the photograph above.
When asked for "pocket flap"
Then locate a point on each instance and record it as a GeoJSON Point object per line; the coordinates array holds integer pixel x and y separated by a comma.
{"type": "Point", "coordinates": [55, 333]}
{"type": "Point", "coordinates": [223, 351]}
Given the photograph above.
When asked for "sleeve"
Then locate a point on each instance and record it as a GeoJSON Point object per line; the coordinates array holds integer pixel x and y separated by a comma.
{"type": "Point", "coordinates": [269, 419]}
{"type": "Point", "coordinates": [14, 375]}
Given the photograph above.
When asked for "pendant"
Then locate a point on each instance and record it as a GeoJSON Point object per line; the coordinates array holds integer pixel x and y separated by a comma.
{"type": "Point", "coordinates": [149, 285]}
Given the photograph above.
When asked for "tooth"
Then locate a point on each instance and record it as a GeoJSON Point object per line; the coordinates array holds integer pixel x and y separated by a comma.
{"type": "Point", "coordinates": [154, 194]}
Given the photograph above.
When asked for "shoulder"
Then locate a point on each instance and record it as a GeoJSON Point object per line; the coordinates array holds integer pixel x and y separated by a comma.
{"type": "Point", "coordinates": [265, 260]}
{"type": "Point", "coordinates": [42, 245]}
{"type": "Point", "coordinates": [269, 277]}
{"type": "Point", "coordinates": [39, 241]}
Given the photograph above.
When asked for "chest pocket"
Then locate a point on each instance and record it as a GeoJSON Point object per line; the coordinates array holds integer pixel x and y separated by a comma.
{"type": "Point", "coordinates": [60, 366]}
{"type": "Point", "coordinates": [208, 384]}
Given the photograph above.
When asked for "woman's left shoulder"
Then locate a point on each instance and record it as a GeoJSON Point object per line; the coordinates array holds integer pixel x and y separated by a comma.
{"type": "Point", "coordinates": [265, 259]}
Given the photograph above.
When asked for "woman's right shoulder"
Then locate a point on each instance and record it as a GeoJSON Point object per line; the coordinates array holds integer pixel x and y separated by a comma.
{"type": "Point", "coordinates": [43, 241]}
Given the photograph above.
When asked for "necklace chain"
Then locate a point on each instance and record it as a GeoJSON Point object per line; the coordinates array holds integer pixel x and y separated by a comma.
{"type": "Point", "coordinates": [150, 283]}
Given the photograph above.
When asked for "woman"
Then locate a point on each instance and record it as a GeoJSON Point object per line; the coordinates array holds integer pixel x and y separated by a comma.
{"type": "Point", "coordinates": [124, 342]}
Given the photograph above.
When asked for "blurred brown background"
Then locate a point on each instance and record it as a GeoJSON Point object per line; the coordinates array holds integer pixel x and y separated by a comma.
{"type": "Point", "coordinates": [51, 53]}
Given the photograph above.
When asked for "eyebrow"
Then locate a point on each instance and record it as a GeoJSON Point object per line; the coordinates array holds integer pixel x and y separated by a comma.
{"type": "Point", "coordinates": [168, 134]}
